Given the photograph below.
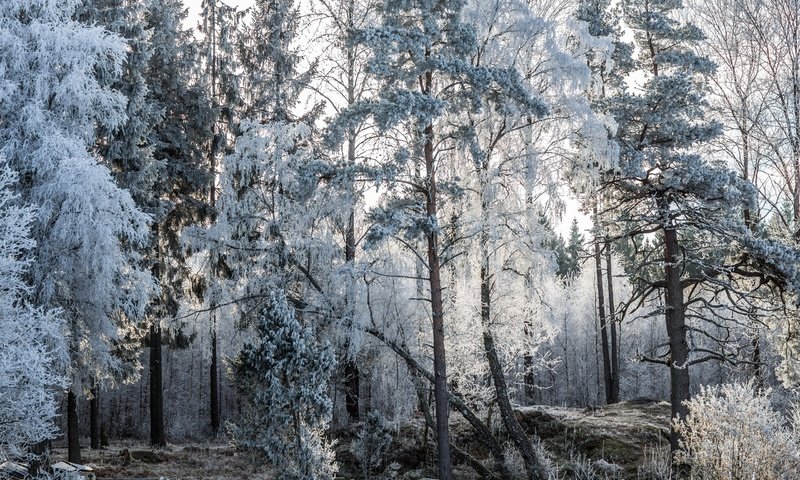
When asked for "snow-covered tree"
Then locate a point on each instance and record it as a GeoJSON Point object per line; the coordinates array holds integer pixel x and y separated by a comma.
{"type": "Point", "coordinates": [158, 153]}
{"type": "Point", "coordinates": [340, 80]}
{"type": "Point", "coordinates": [284, 375]}
{"type": "Point", "coordinates": [32, 348]}
{"type": "Point", "coordinates": [690, 206]}
{"type": "Point", "coordinates": [422, 58]}
{"type": "Point", "coordinates": [87, 229]}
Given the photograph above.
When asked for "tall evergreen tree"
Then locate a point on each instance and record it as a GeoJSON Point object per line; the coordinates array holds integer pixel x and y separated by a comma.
{"type": "Point", "coordinates": [220, 79]}
{"type": "Point", "coordinates": [158, 152]}
{"type": "Point", "coordinates": [691, 205]}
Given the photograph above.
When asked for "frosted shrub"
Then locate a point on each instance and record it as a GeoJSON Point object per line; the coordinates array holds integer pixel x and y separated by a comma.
{"type": "Point", "coordinates": [733, 433]}
{"type": "Point", "coordinates": [284, 377]}
{"type": "Point", "coordinates": [372, 443]}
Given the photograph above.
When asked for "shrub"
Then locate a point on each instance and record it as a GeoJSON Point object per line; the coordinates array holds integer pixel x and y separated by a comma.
{"type": "Point", "coordinates": [732, 432]}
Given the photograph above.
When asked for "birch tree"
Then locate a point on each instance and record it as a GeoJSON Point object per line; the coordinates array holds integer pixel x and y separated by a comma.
{"type": "Point", "coordinates": [88, 229]}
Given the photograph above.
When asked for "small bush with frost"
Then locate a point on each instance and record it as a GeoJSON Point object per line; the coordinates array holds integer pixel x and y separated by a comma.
{"type": "Point", "coordinates": [732, 432]}
{"type": "Point", "coordinates": [372, 443]}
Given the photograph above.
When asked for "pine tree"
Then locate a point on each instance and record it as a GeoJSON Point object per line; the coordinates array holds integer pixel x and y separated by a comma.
{"type": "Point", "coordinates": [422, 59]}
{"type": "Point", "coordinates": [284, 377]}
{"type": "Point", "coordinates": [691, 207]}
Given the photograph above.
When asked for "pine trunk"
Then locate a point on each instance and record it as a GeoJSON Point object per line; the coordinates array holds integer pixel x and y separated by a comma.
{"type": "Point", "coordinates": [601, 309]}
{"type": "Point", "coordinates": [437, 310]}
{"type": "Point", "coordinates": [214, 384]}
{"type": "Point", "coordinates": [678, 345]}
{"type": "Point", "coordinates": [157, 437]}
{"type": "Point", "coordinates": [94, 417]}
{"type": "Point", "coordinates": [73, 433]}
{"type": "Point", "coordinates": [612, 324]}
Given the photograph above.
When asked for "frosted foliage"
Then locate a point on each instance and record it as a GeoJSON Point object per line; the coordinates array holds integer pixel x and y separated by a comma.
{"type": "Point", "coordinates": [284, 376]}
{"type": "Point", "coordinates": [732, 432]}
{"type": "Point", "coordinates": [51, 103]}
{"type": "Point", "coordinates": [31, 343]}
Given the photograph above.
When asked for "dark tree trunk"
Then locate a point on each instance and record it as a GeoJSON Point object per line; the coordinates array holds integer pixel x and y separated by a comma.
{"type": "Point", "coordinates": [41, 458]}
{"type": "Point", "coordinates": [612, 324]}
{"type": "Point", "coordinates": [94, 417]}
{"type": "Point", "coordinates": [352, 375]}
{"type": "Point", "coordinates": [157, 437]}
{"type": "Point", "coordinates": [678, 345]}
{"type": "Point", "coordinates": [73, 434]}
{"type": "Point", "coordinates": [437, 312]}
{"type": "Point", "coordinates": [533, 466]}
{"type": "Point", "coordinates": [758, 375]}
{"type": "Point", "coordinates": [214, 383]}
{"type": "Point", "coordinates": [601, 309]}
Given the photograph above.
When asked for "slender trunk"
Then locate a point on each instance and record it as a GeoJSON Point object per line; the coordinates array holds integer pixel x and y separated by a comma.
{"type": "Point", "coordinates": [612, 324]}
{"type": "Point", "coordinates": [601, 309]}
{"type": "Point", "coordinates": [533, 464]}
{"type": "Point", "coordinates": [352, 375]}
{"type": "Point", "coordinates": [214, 383]}
{"type": "Point", "coordinates": [439, 363]}
{"type": "Point", "coordinates": [73, 434]}
{"type": "Point", "coordinates": [678, 345]}
{"type": "Point", "coordinates": [157, 437]}
{"type": "Point", "coordinates": [94, 417]}
{"type": "Point", "coordinates": [437, 306]}
{"type": "Point", "coordinates": [212, 200]}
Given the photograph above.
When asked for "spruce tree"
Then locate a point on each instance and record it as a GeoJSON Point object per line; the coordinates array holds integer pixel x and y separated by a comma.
{"type": "Point", "coordinates": [158, 153]}
{"type": "Point", "coordinates": [284, 377]}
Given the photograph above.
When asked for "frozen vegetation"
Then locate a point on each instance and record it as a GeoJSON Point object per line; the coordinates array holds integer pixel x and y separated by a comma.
{"type": "Point", "coordinates": [318, 239]}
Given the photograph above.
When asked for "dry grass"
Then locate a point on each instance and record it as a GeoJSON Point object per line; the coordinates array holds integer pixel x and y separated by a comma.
{"type": "Point", "coordinates": [129, 460]}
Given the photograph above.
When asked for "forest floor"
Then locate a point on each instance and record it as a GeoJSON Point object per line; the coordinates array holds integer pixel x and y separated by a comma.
{"type": "Point", "coordinates": [129, 460]}
{"type": "Point", "coordinates": [616, 441]}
